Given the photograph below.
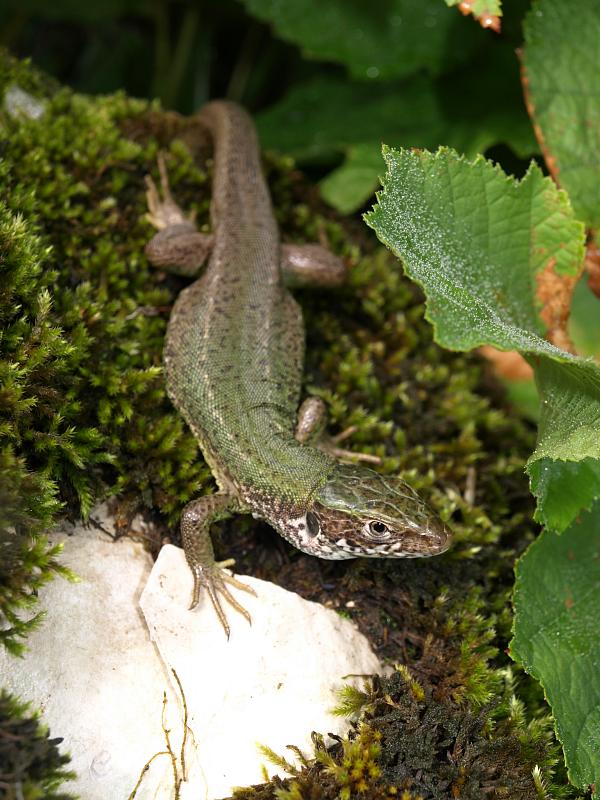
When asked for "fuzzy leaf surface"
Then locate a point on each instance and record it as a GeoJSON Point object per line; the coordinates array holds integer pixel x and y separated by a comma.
{"type": "Point", "coordinates": [557, 602]}
{"type": "Point", "coordinates": [561, 63]}
{"type": "Point", "coordinates": [481, 244]}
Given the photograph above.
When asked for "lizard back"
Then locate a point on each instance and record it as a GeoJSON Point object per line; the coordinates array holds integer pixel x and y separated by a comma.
{"type": "Point", "coordinates": [235, 342]}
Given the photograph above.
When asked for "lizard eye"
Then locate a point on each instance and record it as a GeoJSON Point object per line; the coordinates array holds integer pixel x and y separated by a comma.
{"type": "Point", "coordinates": [312, 524]}
{"type": "Point", "coordinates": [377, 529]}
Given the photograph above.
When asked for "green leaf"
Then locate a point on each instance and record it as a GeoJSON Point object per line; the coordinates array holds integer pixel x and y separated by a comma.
{"type": "Point", "coordinates": [561, 65]}
{"type": "Point", "coordinates": [475, 239]}
{"type": "Point", "coordinates": [324, 116]}
{"type": "Point", "coordinates": [470, 110]}
{"type": "Point", "coordinates": [481, 244]}
{"type": "Point", "coordinates": [349, 186]}
{"type": "Point", "coordinates": [373, 40]}
{"type": "Point", "coordinates": [568, 446]}
{"type": "Point", "coordinates": [563, 492]}
{"type": "Point", "coordinates": [584, 321]}
{"type": "Point", "coordinates": [557, 602]}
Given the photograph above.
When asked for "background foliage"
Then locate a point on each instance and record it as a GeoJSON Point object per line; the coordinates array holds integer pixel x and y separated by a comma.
{"type": "Point", "coordinates": [498, 260]}
{"type": "Point", "coordinates": [328, 80]}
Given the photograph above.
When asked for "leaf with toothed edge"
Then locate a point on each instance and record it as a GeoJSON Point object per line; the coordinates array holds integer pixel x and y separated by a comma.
{"type": "Point", "coordinates": [497, 259]}
{"type": "Point", "coordinates": [483, 246]}
{"type": "Point", "coordinates": [557, 602]}
{"type": "Point", "coordinates": [319, 120]}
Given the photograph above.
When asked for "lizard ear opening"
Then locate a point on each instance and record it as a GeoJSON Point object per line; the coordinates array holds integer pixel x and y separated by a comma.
{"type": "Point", "coordinates": [312, 523]}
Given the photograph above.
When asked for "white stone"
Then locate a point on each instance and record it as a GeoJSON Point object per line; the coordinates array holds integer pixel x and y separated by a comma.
{"type": "Point", "coordinates": [271, 683]}
{"type": "Point", "coordinates": [99, 681]}
{"type": "Point", "coordinates": [92, 669]}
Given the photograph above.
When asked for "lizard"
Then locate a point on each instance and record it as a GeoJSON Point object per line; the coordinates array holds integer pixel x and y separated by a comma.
{"type": "Point", "coordinates": [233, 357]}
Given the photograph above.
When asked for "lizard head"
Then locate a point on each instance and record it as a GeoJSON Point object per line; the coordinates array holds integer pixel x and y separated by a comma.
{"type": "Point", "coordinates": [359, 512]}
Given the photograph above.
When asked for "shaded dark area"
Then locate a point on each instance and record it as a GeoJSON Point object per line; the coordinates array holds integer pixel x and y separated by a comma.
{"type": "Point", "coordinates": [182, 52]}
{"type": "Point", "coordinates": [187, 52]}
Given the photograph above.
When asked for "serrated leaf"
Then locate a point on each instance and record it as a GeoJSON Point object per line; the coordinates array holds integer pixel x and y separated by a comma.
{"type": "Point", "coordinates": [480, 243]}
{"type": "Point", "coordinates": [483, 246]}
{"type": "Point", "coordinates": [561, 63]}
{"type": "Point", "coordinates": [563, 492]}
{"type": "Point", "coordinates": [557, 602]}
{"type": "Point", "coordinates": [373, 40]}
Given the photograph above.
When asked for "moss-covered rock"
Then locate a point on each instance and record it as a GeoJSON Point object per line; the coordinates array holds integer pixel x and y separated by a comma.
{"type": "Point", "coordinates": [83, 411]}
{"type": "Point", "coordinates": [84, 414]}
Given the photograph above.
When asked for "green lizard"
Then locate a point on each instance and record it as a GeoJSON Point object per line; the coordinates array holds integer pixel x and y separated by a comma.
{"type": "Point", "coordinates": [234, 358]}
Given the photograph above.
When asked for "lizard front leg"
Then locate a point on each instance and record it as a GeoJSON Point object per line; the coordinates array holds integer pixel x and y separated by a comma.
{"type": "Point", "coordinates": [178, 246]}
{"type": "Point", "coordinates": [196, 520]}
{"type": "Point", "coordinates": [310, 265]}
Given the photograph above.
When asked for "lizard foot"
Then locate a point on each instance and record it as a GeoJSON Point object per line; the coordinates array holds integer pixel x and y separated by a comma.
{"type": "Point", "coordinates": [215, 581]}
{"type": "Point", "coordinates": [348, 455]}
{"type": "Point", "coordinates": [310, 429]}
{"type": "Point", "coordinates": [163, 211]}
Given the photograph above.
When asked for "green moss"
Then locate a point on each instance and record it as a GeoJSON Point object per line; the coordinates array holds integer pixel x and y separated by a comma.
{"type": "Point", "coordinates": [84, 414]}
{"type": "Point", "coordinates": [85, 408]}
{"type": "Point", "coordinates": [83, 411]}
{"type": "Point", "coordinates": [410, 744]}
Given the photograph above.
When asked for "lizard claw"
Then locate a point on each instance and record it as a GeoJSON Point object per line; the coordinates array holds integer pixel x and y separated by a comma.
{"type": "Point", "coordinates": [163, 211]}
{"type": "Point", "coordinates": [215, 581]}
{"type": "Point", "coordinates": [349, 455]}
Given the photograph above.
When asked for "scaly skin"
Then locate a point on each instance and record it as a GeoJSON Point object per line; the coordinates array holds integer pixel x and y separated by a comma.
{"type": "Point", "coordinates": [234, 356]}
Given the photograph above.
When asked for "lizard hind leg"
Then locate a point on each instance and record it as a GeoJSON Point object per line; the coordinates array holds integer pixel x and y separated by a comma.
{"type": "Point", "coordinates": [311, 265]}
{"type": "Point", "coordinates": [310, 429]}
{"type": "Point", "coordinates": [196, 520]}
{"type": "Point", "coordinates": [178, 246]}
